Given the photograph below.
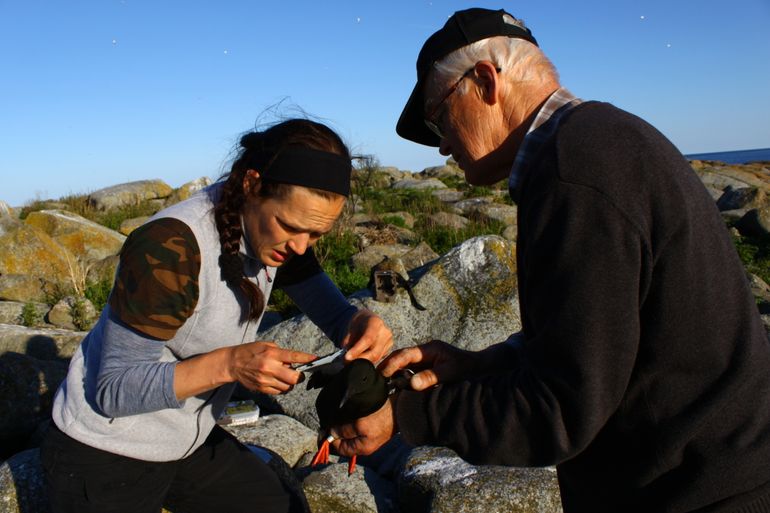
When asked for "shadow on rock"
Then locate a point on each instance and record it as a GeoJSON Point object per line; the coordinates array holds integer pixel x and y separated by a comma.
{"type": "Point", "coordinates": [44, 348]}
{"type": "Point", "coordinates": [27, 388]}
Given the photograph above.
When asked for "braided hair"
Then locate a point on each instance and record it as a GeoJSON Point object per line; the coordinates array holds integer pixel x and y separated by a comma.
{"type": "Point", "coordinates": [257, 150]}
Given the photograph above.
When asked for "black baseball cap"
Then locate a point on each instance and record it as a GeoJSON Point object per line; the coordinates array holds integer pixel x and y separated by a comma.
{"type": "Point", "coordinates": [462, 28]}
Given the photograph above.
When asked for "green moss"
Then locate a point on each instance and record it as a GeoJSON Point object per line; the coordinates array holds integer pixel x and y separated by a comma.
{"type": "Point", "coordinates": [335, 251]}
{"type": "Point", "coordinates": [754, 252]}
{"type": "Point", "coordinates": [281, 302]}
{"type": "Point", "coordinates": [442, 238]}
{"type": "Point", "coordinates": [113, 218]}
{"type": "Point", "coordinates": [394, 220]}
{"type": "Point", "coordinates": [30, 316]}
{"type": "Point", "coordinates": [454, 182]}
{"type": "Point", "coordinates": [98, 293]}
{"type": "Point", "coordinates": [34, 206]}
{"type": "Point", "coordinates": [379, 201]}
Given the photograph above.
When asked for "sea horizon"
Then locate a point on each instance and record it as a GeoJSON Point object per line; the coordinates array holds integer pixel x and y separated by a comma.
{"type": "Point", "coordinates": [733, 157]}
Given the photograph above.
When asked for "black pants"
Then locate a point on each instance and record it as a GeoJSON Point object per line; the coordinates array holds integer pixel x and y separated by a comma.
{"type": "Point", "coordinates": [221, 475]}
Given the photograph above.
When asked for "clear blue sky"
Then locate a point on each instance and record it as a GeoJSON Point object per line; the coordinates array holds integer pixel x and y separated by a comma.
{"type": "Point", "coordinates": [95, 93]}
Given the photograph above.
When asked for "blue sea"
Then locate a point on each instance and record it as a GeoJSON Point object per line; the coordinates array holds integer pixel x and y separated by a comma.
{"type": "Point", "coordinates": [734, 157]}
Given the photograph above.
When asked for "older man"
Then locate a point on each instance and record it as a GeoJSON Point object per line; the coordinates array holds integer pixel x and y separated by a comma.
{"type": "Point", "coordinates": [642, 370]}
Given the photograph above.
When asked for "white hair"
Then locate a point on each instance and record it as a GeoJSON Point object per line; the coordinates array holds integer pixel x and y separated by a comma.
{"type": "Point", "coordinates": [518, 59]}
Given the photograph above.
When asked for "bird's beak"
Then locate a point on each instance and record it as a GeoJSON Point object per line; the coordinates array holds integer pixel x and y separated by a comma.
{"type": "Point", "coordinates": [344, 398]}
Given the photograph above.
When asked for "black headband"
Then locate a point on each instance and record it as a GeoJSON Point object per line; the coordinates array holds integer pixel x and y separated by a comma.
{"type": "Point", "coordinates": [322, 170]}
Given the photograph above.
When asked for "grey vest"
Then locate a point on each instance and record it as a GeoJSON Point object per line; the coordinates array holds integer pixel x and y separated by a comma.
{"type": "Point", "coordinates": [168, 434]}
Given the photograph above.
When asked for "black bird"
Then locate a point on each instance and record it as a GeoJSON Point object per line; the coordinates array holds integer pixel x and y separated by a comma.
{"type": "Point", "coordinates": [355, 391]}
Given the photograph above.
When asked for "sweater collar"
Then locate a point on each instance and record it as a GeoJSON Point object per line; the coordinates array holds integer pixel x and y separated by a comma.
{"type": "Point", "coordinates": [542, 128]}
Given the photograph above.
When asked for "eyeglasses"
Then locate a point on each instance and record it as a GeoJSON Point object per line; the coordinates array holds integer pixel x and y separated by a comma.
{"type": "Point", "coordinates": [430, 117]}
{"type": "Point", "coordinates": [430, 120]}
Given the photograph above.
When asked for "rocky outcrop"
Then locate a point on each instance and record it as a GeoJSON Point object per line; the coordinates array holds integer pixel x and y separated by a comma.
{"type": "Point", "coordinates": [448, 220]}
{"type": "Point", "coordinates": [448, 195]}
{"type": "Point", "coordinates": [22, 486]}
{"type": "Point", "coordinates": [72, 313]}
{"type": "Point", "coordinates": [102, 270]}
{"type": "Point", "coordinates": [720, 175]}
{"type": "Point", "coordinates": [131, 193]}
{"type": "Point", "coordinates": [14, 312]}
{"type": "Point", "coordinates": [29, 253]}
{"type": "Point", "coordinates": [442, 172]}
{"type": "Point", "coordinates": [418, 256]}
{"type": "Point", "coordinates": [754, 223]}
{"type": "Point", "coordinates": [486, 212]}
{"type": "Point", "coordinates": [384, 176]}
{"type": "Point", "coordinates": [373, 254]}
{"type": "Point", "coordinates": [331, 490]}
{"type": "Point", "coordinates": [436, 480]}
{"type": "Point", "coordinates": [129, 225]}
{"type": "Point", "coordinates": [188, 189]}
{"type": "Point", "coordinates": [467, 206]}
{"type": "Point", "coordinates": [5, 209]}
{"type": "Point", "coordinates": [46, 344]}
{"type": "Point", "coordinates": [288, 438]}
{"type": "Point", "coordinates": [410, 183]}
{"type": "Point", "coordinates": [85, 239]}
{"type": "Point", "coordinates": [742, 198]}
{"type": "Point", "coordinates": [23, 287]}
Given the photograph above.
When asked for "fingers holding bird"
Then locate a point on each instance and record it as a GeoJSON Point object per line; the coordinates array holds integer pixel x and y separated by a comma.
{"type": "Point", "coordinates": [264, 367]}
{"type": "Point", "coordinates": [368, 337]}
{"type": "Point", "coordinates": [367, 434]}
{"type": "Point", "coordinates": [433, 362]}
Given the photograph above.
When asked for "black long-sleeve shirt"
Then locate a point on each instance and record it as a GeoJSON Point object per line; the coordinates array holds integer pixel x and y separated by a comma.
{"type": "Point", "coordinates": [644, 374]}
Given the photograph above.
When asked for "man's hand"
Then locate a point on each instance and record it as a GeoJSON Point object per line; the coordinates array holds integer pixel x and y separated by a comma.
{"type": "Point", "coordinates": [367, 434]}
{"type": "Point", "coordinates": [434, 362]}
{"type": "Point", "coordinates": [368, 337]}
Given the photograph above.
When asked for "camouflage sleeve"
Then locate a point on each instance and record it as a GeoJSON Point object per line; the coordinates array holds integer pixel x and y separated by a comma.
{"type": "Point", "coordinates": [298, 269]}
{"type": "Point", "coordinates": [156, 287]}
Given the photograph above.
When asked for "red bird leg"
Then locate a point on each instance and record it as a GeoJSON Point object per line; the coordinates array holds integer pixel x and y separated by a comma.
{"type": "Point", "coordinates": [319, 456]}
{"type": "Point", "coordinates": [352, 464]}
{"type": "Point", "coordinates": [322, 456]}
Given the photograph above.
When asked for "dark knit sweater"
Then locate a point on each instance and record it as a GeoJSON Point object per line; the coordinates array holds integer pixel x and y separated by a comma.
{"type": "Point", "coordinates": [645, 371]}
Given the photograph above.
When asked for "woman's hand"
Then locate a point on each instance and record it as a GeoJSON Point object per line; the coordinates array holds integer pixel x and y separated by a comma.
{"type": "Point", "coordinates": [434, 362]}
{"type": "Point", "coordinates": [265, 367]}
{"type": "Point", "coordinates": [368, 337]}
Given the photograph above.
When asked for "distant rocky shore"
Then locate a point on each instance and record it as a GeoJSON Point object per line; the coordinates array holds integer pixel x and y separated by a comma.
{"type": "Point", "coordinates": [469, 295]}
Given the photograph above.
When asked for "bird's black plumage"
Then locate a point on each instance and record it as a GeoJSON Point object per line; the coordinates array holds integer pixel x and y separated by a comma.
{"type": "Point", "coordinates": [356, 391]}
{"type": "Point", "coordinates": [346, 395]}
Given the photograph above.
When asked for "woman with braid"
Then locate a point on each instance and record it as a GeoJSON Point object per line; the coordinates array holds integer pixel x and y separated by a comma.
{"type": "Point", "coordinates": [134, 421]}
